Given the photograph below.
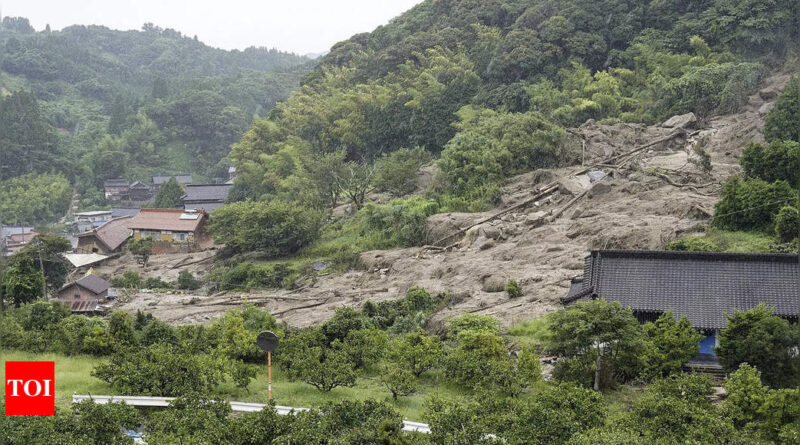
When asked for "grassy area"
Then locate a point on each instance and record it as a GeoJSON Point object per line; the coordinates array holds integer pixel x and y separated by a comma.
{"type": "Point", "coordinates": [740, 241]}
{"type": "Point", "coordinates": [73, 376]}
{"type": "Point", "coordinates": [533, 333]}
{"type": "Point", "coordinates": [72, 373]}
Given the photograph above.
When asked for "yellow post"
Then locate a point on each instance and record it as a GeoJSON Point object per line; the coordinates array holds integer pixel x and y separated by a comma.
{"type": "Point", "coordinates": [269, 373]}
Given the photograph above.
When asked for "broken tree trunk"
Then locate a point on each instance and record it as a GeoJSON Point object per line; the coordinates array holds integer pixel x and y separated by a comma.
{"type": "Point", "coordinates": [612, 160]}
{"type": "Point", "coordinates": [546, 190]}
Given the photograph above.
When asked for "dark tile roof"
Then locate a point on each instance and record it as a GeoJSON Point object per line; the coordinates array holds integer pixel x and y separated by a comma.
{"type": "Point", "coordinates": [115, 183]}
{"type": "Point", "coordinates": [182, 179]}
{"type": "Point", "coordinates": [140, 185]}
{"type": "Point", "coordinates": [704, 286]}
{"type": "Point", "coordinates": [207, 192]}
{"type": "Point", "coordinates": [124, 211]}
{"type": "Point", "coordinates": [92, 283]}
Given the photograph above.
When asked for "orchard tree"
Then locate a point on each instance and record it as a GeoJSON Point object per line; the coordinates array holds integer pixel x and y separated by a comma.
{"type": "Point", "coordinates": [398, 380]}
{"type": "Point", "coordinates": [764, 340]}
{"type": "Point", "coordinates": [22, 280]}
{"type": "Point", "coordinates": [598, 334]}
{"type": "Point", "coordinates": [416, 352]}
{"type": "Point", "coordinates": [745, 396]}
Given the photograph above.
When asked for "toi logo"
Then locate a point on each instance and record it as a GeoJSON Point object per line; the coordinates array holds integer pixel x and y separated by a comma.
{"type": "Point", "coordinates": [30, 388]}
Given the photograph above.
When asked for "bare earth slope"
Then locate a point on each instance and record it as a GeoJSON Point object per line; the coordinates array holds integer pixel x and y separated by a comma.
{"type": "Point", "coordinates": [647, 200]}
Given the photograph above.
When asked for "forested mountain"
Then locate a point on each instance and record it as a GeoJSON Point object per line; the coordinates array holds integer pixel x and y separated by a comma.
{"type": "Point", "coordinates": [477, 81]}
{"type": "Point", "coordinates": [93, 103]}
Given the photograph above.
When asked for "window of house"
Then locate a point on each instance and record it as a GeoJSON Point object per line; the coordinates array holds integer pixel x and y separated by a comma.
{"type": "Point", "coordinates": [179, 236]}
{"type": "Point", "coordinates": [77, 296]}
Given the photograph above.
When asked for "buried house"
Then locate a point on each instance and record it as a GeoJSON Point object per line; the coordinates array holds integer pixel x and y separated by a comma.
{"type": "Point", "coordinates": [703, 286]}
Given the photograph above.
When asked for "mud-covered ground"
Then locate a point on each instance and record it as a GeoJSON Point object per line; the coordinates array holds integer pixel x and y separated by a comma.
{"type": "Point", "coordinates": [655, 197]}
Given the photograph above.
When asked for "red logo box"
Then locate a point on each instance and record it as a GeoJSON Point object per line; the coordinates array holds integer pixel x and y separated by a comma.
{"type": "Point", "coordinates": [30, 388]}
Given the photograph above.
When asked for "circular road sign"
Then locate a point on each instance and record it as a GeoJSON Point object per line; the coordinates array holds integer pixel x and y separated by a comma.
{"type": "Point", "coordinates": [267, 340]}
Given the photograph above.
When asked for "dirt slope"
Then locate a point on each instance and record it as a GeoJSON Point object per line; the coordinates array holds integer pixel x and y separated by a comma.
{"type": "Point", "coordinates": [654, 197]}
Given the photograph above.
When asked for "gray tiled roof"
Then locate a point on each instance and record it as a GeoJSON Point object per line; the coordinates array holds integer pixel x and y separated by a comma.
{"type": "Point", "coordinates": [181, 179]}
{"type": "Point", "coordinates": [92, 283]}
{"type": "Point", "coordinates": [704, 286]}
{"type": "Point", "coordinates": [115, 182]}
{"type": "Point", "coordinates": [207, 192]}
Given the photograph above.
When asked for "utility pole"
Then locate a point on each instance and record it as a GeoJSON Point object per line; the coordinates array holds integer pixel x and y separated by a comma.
{"type": "Point", "coordinates": [41, 268]}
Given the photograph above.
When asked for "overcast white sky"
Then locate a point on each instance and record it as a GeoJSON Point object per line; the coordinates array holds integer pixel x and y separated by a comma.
{"type": "Point", "coordinates": [301, 26]}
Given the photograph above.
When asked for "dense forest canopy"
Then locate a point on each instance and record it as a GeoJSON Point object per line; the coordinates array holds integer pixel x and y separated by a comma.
{"type": "Point", "coordinates": [446, 74]}
{"type": "Point", "coordinates": [93, 103]}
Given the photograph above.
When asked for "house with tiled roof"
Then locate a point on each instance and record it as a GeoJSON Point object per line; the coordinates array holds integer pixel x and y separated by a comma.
{"type": "Point", "coordinates": [182, 179]}
{"type": "Point", "coordinates": [703, 286]}
{"type": "Point", "coordinates": [205, 196]}
{"type": "Point", "coordinates": [86, 295]}
{"type": "Point", "coordinates": [106, 239]}
{"type": "Point", "coordinates": [171, 229]}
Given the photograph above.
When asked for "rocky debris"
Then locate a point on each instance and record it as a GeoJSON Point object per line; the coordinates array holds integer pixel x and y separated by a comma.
{"type": "Point", "coordinates": [319, 266]}
{"type": "Point", "coordinates": [685, 121]}
{"type": "Point", "coordinates": [637, 209]}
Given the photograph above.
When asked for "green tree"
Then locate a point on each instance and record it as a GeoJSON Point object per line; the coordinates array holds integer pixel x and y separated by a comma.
{"type": "Point", "coordinates": [22, 280]}
{"type": "Point", "coordinates": [278, 228]}
{"type": "Point", "coordinates": [396, 172]}
{"type": "Point", "coordinates": [416, 352]}
{"type": "Point", "coordinates": [48, 247]}
{"type": "Point", "coordinates": [782, 121]}
{"type": "Point", "coordinates": [669, 343]}
{"type": "Point", "coordinates": [169, 195]}
{"type": "Point", "coordinates": [745, 396]}
{"type": "Point", "coordinates": [787, 224]}
{"type": "Point", "coordinates": [763, 340]}
{"type": "Point", "coordinates": [780, 160]}
{"type": "Point", "coordinates": [398, 380]}
{"type": "Point", "coordinates": [599, 334]}
{"type": "Point", "coordinates": [141, 248]}
{"type": "Point", "coordinates": [120, 328]}
{"type": "Point", "coordinates": [751, 204]}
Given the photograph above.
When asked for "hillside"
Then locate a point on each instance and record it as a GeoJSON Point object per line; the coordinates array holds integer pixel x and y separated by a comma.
{"type": "Point", "coordinates": [101, 103]}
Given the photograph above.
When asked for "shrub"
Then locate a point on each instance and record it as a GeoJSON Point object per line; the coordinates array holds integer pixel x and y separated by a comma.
{"type": "Point", "coordinates": [128, 280]}
{"type": "Point", "coordinates": [472, 322]}
{"type": "Point", "coordinates": [247, 275]}
{"type": "Point", "coordinates": [780, 160]}
{"type": "Point", "coordinates": [512, 289]}
{"type": "Point", "coordinates": [402, 222]}
{"type": "Point", "coordinates": [416, 352]}
{"type": "Point", "coordinates": [418, 299]}
{"type": "Point", "coordinates": [155, 283]}
{"type": "Point", "coordinates": [276, 227]}
{"type": "Point", "coordinates": [141, 248]}
{"type": "Point", "coordinates": [763, 340]}
{"type": "Point", "coordinates": [782, 120]}
{"type": "Point", "coordinates": [480, 359]}
{"type": "Point", "coordinates": [187, 281]}
{"type": "Point", "coordinates": [751, 204]}
{"type": "Point", "coordinates": [787, 224]}
{"type": "Point", "coordinates": [396, 172]}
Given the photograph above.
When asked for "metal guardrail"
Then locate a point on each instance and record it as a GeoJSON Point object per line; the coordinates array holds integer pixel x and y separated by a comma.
{"type": "Point", "coordinates": [408, 426]}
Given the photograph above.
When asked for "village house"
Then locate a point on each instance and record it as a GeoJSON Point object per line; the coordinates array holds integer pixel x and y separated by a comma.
{"type": "Point", "coordinates": [159, 180]}
{"type": "Point", "coordinates": [106, 239]}
{"type": "Point", "coordinates": [173, 230]}
{"type": "Point", "coordinates": [85, 221]}
{"type": "Point", "coordinates": [115, 189]}
{"type": "Point", "coordinates": [86, 295]}
{"type": "Point", "coordinates": [16, 241]}
{"type": "Point", "coordinates": [205, 196]}
{"type": "Point", "coordinates": [703, 286]}
{"type": "Point", "coordinates": [11, 235]}
{"type": "Point", "coordinates": [139, 192]}
{"type": "Point", "coordinates": [118, 212]}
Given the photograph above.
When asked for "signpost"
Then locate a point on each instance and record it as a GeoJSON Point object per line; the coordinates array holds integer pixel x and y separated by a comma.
{"type": "Point", "coordinates": [268, 341]}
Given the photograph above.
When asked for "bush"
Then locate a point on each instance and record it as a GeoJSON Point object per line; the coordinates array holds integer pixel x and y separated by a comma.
{"type": "Point", "coordinates": [276, 227]}
{"type": "Point", "coordinates": [418, 299]}
{"type": "Point", "coordinates": [187, 281]}
{"type": "Point", "coordinates": [782, 120]}
{"type": "Point", "coordinates": [780, 160]}
{"type": "Point", "coordinates": [402, 222]}
{"type": "Point", "coordinates": [512, 289]}
{"type": "Point", "coordinates": [396, 172]}
{"type": "Point", "coordinates": [247, 275]}
{"type": "Point", "coordinates": [751, 204]}
{"type": "Point", "coordinates": [141, 248]}
{"type": "Point", "coordinates": [669, 344]}
{"type": "Point", "coordinates": [787, 224]}
{"type": "Point", "coordinates": [128, 280]}
{"type": "Point", "coordinates": [694, 244]}
{"type": "Point", "coordinates": [472, 322]}
{"type": "Point", "coordinates": [156, 283]}
{"type": "Point", "coordinates": [763, 340]}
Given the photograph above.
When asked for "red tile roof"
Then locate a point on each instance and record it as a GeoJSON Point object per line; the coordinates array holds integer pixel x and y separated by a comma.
{"type": "Point", "coordinates": [175, 220]}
